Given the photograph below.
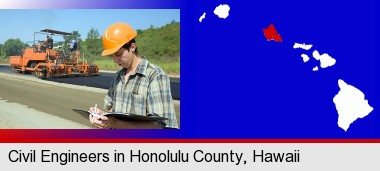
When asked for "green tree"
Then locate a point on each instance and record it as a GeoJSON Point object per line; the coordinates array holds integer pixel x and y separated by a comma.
{"type": "Point", "coordinates": [13, 47]}
{"type": "Point", "coordinates": [174, 22]}
{"type": "Point", "coordinates": [93, 42]}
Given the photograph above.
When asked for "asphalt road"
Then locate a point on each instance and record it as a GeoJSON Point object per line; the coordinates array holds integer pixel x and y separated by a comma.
{"type": "Point", "coordinates": [102, 81]}
{"type": "Point", "coordinates": [47, 98]}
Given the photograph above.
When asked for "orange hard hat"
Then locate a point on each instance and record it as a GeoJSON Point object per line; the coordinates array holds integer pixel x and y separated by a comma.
{"type": "Point", "coordinates": [116, 36]}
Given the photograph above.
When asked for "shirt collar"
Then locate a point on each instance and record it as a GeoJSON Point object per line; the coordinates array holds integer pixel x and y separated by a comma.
{"type": "Point", "coordinates": [141, 69]}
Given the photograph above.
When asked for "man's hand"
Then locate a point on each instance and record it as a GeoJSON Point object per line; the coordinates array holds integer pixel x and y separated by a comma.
{"type": "Point", "coordinates": [98, 120]}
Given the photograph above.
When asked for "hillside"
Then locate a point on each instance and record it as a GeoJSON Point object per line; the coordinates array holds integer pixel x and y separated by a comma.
{"type": "Point", "coordinates": [160, 46]}
{"type": "Point", "coordinates": [160, 43]}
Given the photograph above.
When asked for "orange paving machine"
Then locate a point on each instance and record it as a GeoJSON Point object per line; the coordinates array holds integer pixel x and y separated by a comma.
{"type": "Point", "coordinates": [45, 61]}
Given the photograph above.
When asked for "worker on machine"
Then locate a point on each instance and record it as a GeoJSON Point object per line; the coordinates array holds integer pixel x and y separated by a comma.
{"type": "Point", "coordinates": [47, 44]}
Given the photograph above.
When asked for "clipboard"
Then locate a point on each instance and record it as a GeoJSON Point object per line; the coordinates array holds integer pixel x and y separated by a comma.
{"type": "Point", "coordinates": [125, 116]}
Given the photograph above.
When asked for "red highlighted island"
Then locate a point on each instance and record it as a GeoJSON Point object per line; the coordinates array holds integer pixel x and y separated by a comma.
{"type": "Point", "coordinates": [271, 34]}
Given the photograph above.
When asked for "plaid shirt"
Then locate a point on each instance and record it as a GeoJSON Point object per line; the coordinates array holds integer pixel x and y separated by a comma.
{"type": "Point", "coordinates": [147, 91]}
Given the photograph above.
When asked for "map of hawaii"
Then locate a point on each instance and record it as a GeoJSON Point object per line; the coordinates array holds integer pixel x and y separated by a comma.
{"type": "Point", "coordinates": [350, 102]}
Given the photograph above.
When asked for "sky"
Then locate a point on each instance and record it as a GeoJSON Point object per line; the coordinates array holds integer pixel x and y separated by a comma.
{"type": "Point", "coordinates": [23, 23]}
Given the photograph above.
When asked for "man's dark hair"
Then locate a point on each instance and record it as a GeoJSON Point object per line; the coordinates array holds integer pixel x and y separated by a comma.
{"type": "Point", "coordinates": [128, 45]}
